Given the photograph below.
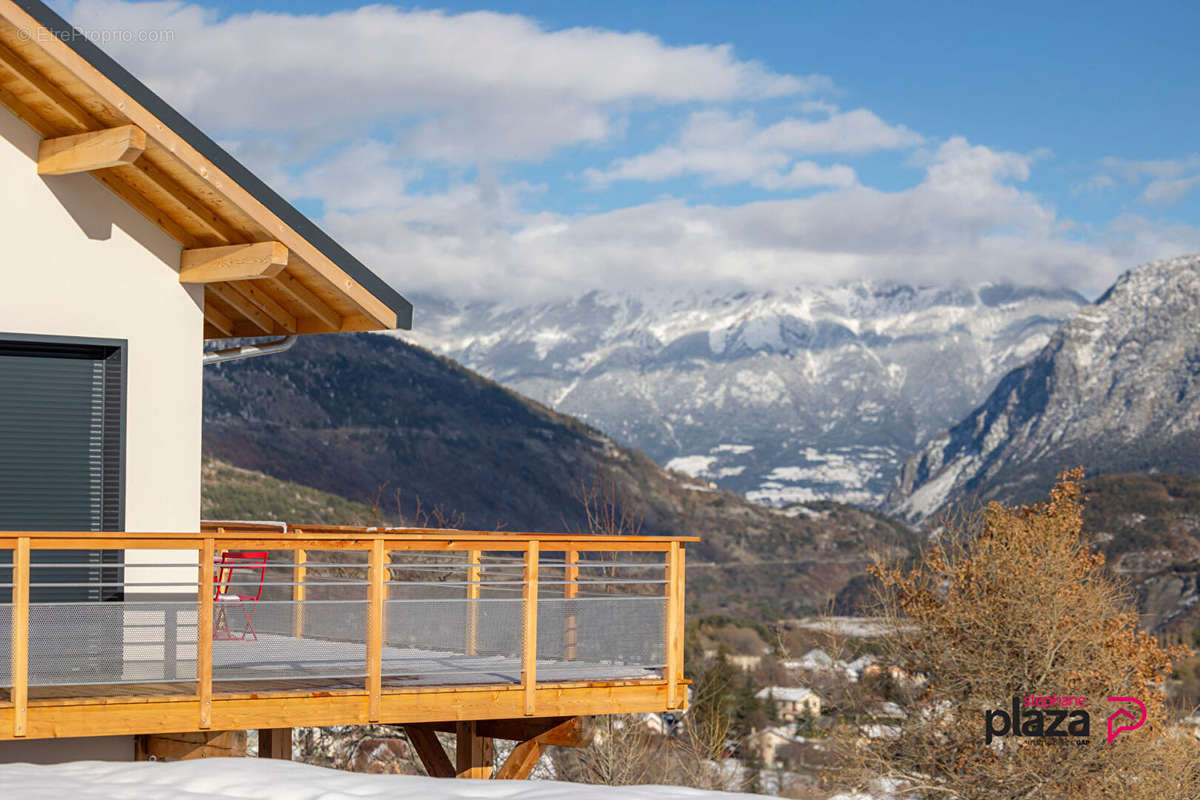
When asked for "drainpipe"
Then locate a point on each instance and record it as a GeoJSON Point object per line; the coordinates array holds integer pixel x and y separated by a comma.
{"type": "Point", "coordinates": [250, 350]}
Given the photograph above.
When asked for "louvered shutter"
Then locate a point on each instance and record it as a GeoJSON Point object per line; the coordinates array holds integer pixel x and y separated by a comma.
{"type": "Point", "coordinates": [61, 408]}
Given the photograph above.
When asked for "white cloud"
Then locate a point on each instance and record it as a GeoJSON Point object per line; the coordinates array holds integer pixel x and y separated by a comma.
{"type": "Point", "coordinates": [967, 220]}
{"type": "Point", "coordinates": [358, 109]}
{"type": "Point", "coordinates": [724, 149]}
{"type": "Point", "coordinates": [463, 87]}
{"type": "Point", "coordinates": [1164, 181]}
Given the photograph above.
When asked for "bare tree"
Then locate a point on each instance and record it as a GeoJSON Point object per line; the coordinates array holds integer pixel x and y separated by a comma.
{"type": "Point", "coordinates": [1012, 603]}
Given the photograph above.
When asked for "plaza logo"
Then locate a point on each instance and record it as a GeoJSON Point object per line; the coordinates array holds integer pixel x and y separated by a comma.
{"type": "Point", "coordinates": [1050, 719]}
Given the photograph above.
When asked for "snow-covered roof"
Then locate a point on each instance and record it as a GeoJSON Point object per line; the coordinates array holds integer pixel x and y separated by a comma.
{"type": "Point", "coordinates": [788, 694]}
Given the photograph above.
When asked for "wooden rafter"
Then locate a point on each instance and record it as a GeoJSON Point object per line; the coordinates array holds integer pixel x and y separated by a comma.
{"type": "Point", "coordinates": [232, 262]}
{"type": "Point", "coordinates": [202, 223]}
{"type": "Point", "coordinates": [70, 114]}
{"type": "Point", "coordinates": [299, 296]}
{"type": "Point", "coordinates": [243, 308]}
{"type": "Point", "coordinates": [88, 152]}
{"type": "Point", "coordinates": [256, 293]}
{"type": "Point", "coordinates": [219, 320]}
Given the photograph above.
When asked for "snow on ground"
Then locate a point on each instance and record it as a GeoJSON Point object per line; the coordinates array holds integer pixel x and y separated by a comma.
{"type": "Point", "coordinates": [264, 779]}
{"type": "Point", "coordinates": [696, 466]}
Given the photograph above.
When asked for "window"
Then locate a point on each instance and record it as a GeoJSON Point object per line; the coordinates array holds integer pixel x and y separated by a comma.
{"type": "Point", "coordinates": [61, 456]}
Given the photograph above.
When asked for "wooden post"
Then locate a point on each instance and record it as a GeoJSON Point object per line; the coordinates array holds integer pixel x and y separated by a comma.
{"type": "Point", "coordinates": [674, 638]}
{"type": "Point", "coordinates": [20, 635]}
{"type": "Point", "coordinates": [299, 592]}
{"type": "Point", "coordinates": [275, 743]}
{"type": "Point", "coordinates": [681, 615]}
{"type": "Point", "coordinates": [529, 648]}
{"type": "Point", "coordinates": [375, 631]}
{"type": "Point", "coordinates": [474, 557]}
{"type": "Point", "coordinates": [204, 634]}
{"type": "Point", "coordinates": [474, 755]}
{"type": "Point", "coordinates": [570, 592]}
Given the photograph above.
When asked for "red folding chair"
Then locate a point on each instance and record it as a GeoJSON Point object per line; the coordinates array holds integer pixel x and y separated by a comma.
{"type": "Point", "coordinates": [237, 572]}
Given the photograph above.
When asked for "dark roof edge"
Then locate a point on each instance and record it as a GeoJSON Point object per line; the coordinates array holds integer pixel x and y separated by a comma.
{"type": "Point", "coordinates": [219, 157]}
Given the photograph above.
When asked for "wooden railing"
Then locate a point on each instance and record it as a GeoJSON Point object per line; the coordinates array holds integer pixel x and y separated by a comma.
{"type": "Point", "coordinates": [541, 555]}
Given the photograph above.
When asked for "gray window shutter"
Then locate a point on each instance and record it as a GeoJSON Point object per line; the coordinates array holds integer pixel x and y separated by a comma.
{"type": "Point", "coordinates": [61, 416]}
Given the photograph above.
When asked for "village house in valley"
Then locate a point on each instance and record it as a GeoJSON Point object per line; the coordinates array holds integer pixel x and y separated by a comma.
{"type": "Point", "coordinates": [129, 627]}
{"type": "Point", "coordinates": [792, 702]}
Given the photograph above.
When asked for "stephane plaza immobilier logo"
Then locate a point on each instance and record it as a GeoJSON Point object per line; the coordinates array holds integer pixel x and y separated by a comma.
{"type": "Point", "coordinates": [1051, 719]}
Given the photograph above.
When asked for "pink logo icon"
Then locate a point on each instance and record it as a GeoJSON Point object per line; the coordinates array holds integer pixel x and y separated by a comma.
{"type": "Point", "coordinates": [1115, 726]}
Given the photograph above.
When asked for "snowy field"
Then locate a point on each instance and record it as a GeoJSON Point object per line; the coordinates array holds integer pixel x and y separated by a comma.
{"type": "Point", "coordinates": [264, 779]}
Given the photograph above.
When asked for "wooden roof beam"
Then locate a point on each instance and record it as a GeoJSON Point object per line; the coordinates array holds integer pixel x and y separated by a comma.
{"type": "Point", "coordinates": [299, 296]}
{"type": "Point", "coordinates": [256, 294]}
{"type": "Point", "coordinates": [70, 113]}
{"type": "Point", "coordinates": [242, 307]}
{"type": "Point", "coordinates": [88, 152]}
{"type": "Point", "coordinates": [235, 262]}
{"type": "Point", "coordinates": [220, 321]}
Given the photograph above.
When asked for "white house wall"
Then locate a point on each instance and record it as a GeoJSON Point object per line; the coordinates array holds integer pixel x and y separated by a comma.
{"type": "Point", "coordinates": [76, 260]}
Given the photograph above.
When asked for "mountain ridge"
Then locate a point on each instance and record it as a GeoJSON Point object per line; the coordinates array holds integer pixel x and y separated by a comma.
{"type": "Point", "coordinates": [1117, 389]}
{"type": "Point", "coordinates": [786, 396]}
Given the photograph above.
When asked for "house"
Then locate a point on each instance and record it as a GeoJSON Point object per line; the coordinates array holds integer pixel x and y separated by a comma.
{"type": "Point", "coordinates": [767, 743]}
{"type": "Point", "coordinates": [792, 702]}
{"type": "Point", "coordinates": [130, 628]}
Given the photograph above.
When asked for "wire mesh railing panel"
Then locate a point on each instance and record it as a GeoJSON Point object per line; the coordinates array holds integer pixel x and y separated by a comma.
{"type": "Point", "coordinates": [111, 643]}
{"type": "Point", "coordinates": [623, 630]}
{"type": "Point", "coordinates": [5, 645]}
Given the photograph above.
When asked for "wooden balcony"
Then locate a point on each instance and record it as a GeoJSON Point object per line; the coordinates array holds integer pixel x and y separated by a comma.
{"type": "Point", "coordinates": [119, 633]}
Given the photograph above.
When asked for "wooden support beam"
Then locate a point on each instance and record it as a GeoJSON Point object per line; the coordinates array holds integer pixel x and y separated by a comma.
{"type": "Point", "coordinates": [275, 743]}
{"type": "Point", "coordinates": [375, 573]}
{"type": "Point", "coordinates": [87, 152]}
{"type": "Point", "coordinates": [235, 262]}
{"type": "Point", "coordinates": [529, 628]}
{"type": "Point", "coordinates": [474, 755]}
{"type": "Point", "coordinates": [557, 731]}
{"type": "Point", "coordinates": [188, 746]}
{"type": "Point", "coordinates": [20, 637]}
{"type": "Point", "coordinates": [520, 761]}
{"type": "Point", "coordinates": [430, 751]}
{"type": "Point", "coordinates": [524, 757]}
{"type": "Point", "coordinates": [204, 634]}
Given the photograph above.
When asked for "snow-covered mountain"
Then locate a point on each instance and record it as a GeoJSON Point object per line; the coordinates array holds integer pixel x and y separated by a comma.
{"type": "Point", "coordinates": [785, 396]}
{"type": "Point", "coordinates": [1116, 389]}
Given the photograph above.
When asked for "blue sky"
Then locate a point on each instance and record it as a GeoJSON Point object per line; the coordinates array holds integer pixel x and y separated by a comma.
{"type": "Point", "coordinates": [545, 148]}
